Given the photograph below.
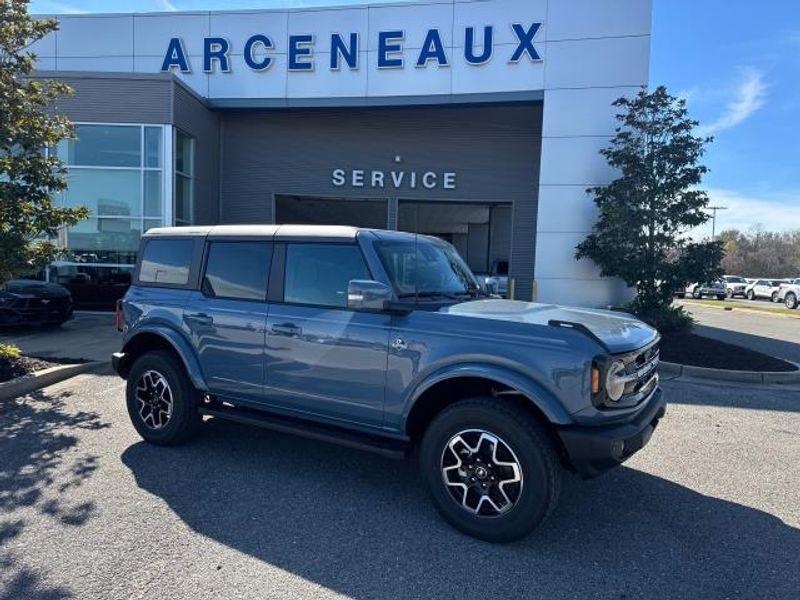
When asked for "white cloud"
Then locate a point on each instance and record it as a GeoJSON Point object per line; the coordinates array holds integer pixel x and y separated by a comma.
{"type": "Point", "coordinates": [772, 212]}
{"type": "Point", "coordinates": [748, 96]}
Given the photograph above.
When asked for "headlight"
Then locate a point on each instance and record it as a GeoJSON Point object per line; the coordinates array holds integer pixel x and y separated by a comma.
{"type": "Point", "coordinates": [615, 384]}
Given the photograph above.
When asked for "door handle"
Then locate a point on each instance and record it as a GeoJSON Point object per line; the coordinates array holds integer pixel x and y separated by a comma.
{"type": "Point", "coordinates": [200, 318]}
{"type": "Point", "coordinates": [287, 329]}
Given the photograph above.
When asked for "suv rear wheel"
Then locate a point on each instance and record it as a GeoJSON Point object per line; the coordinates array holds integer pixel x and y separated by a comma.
{"type": "Point", "coordinates": [162, 403]}
{"type": "Point", "coordinates": [491, 469]}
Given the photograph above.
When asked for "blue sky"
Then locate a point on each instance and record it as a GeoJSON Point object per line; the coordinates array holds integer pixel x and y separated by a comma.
{"type": "Point", "coordinates": [736, 62]}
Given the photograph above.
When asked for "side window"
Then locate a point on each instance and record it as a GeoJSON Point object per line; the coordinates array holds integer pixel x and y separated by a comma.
{"type": "Point", "coordinates": [237, 270]}
{"type": "Point", "coordinates": [319, 273]}
{"type": "Point", "coordinates": [166, 261]}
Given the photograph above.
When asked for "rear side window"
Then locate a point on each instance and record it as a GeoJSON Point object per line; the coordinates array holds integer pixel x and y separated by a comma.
{"type": "Point", "coordinates": [318, 274]}
{"type": "Point", "coordinates": [237, 270]}
{"type": "Point", "coordinates": [166, 261]}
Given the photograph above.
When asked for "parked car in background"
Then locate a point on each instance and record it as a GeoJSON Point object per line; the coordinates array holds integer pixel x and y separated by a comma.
{"type": "Point", "coordinates": [789, 293]}
{"type": "Point", "coordinates": [714, 289]}
{"type": "Point", "coordinates": [734, 285]}
{"type": "Point", "coordinates": [763, 289]}
{"type": "Point", "coordinates": [34, 302]}
{"type": "Point", "coordinates": [496, 282]}
{"type": "Point", "coordinates": [383, 340]}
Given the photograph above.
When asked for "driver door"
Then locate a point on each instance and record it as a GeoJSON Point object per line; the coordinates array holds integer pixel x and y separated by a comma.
{"type": "Point", "coordinates": [322, 358]}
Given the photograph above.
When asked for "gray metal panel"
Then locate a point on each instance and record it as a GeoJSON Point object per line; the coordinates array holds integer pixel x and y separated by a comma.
{"type": "Point", "coordinates": [357, 101]}
{"type": "Point", "coordinates": [191, 115]}
{"type": "Point", "coordinates": [494, 149]}
{"type": "Point", "coordinates": [114, 97]}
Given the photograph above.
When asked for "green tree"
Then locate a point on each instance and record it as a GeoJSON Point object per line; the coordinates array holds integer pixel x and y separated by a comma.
{"type": "Point", "coordinates": [29, 177]}
{"type": "Point", "coordinates": [645, 214]}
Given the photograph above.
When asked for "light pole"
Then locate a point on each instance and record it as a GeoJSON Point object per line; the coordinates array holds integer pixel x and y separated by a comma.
{"type": "Point", "coordinates": [714, 210]}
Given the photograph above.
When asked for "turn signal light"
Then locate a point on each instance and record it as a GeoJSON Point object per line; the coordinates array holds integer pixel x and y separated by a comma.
{"type": "Point", "coordinates": [595, 380]}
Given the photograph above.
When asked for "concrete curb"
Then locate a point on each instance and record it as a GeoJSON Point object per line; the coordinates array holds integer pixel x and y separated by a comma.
{"type": "Point", "coordinates": [763, 377]}
{"type": "Point", "coordinates": [39, 379]}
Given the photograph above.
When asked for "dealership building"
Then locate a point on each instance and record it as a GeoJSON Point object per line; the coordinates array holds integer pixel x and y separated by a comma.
{"type": "Point", "coordinates": [479, 121]}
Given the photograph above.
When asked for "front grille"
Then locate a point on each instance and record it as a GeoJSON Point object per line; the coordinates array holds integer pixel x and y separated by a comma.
{"type": "Point", "coordinates": [640, 373]}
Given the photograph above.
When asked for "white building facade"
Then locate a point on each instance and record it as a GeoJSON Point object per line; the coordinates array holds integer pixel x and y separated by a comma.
{"type": "Point", "coordinates": [480, 121]}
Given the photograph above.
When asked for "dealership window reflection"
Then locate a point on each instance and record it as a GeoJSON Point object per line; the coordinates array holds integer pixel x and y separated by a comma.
{"type": "Point", "coordinates": [117, 172]}
{"type": "Point", "coordinates": [184, 178]}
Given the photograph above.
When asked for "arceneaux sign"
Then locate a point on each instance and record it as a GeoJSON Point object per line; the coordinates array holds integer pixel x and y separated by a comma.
{"type": "Point", "coordinates": [344, 50]}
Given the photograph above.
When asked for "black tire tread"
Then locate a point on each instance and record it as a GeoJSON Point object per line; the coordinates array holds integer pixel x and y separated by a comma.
{"type": "Point", "coordinates": [190, 419]}
{"type": "Point", "coordinates": [539, 435]}
{"type": "Point", "coordinates": [535, 429]}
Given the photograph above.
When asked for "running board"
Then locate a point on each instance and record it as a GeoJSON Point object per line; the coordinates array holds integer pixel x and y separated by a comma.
{"type": "Point", "coordinates": [387, 447]}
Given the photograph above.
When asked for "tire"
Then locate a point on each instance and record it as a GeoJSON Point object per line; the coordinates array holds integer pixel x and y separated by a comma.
{"type": "Point", "coordinates": [162, 426]}
{"type": "Point", "coordinates": [774, 296]}
{"type": "Point", "coordinates": [790, 301]}
{"type": "Point", "coordinates": [519, 438]}
{"type": "Point", "coordinates": [697, 294]}
{"type": "Point", "coordinates": [729, 293]}
{"type": "Point", "coordinates": [750, 295]}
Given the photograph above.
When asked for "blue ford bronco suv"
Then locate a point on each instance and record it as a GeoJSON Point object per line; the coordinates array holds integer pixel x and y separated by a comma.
{"type": "Point", "coordinates": [384, 341]}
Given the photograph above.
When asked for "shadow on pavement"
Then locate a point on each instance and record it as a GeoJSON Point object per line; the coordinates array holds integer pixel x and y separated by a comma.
{"type": "Point", "coordinates": [768, 345]}
{"type": "Point", "coordinates": [38, 463]}
{"type": "Point", "coordinates": [362, 526]}
{"type": "Point", "coordinates": [700, 392]}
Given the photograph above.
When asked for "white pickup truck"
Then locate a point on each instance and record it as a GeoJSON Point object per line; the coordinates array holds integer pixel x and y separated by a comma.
{"type": "Point", "coordinates": [789, 293]}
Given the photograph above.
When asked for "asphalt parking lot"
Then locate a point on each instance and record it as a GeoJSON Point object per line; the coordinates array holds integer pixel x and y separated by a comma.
{"type": "Point", "coordinates": [711, 508]}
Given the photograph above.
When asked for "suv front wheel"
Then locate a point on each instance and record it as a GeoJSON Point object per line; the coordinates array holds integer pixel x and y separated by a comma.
{"type": "Point", "coordinates": [162, 403]}
{"type": "Point", "coordinates": [491, 469]}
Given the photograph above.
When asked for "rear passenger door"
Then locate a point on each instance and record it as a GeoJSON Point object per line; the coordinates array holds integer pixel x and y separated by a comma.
{"type": "Point", "coordinates": [322, 358]}
{"type": "Point", "coordinates": [227, 317]}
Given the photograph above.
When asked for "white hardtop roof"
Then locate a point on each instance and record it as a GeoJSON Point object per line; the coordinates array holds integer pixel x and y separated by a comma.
{"type": "Point", "coordinates": [278, 231]}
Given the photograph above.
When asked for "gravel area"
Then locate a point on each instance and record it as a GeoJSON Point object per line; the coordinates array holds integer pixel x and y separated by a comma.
{"type": "Point", "coordinates": [11, 368]}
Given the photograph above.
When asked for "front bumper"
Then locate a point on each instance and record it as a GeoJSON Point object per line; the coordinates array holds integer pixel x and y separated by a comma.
{"type": "Point", "coordinates": [593, 450]}
{"type": "Point", "coordinates": [119, 363]}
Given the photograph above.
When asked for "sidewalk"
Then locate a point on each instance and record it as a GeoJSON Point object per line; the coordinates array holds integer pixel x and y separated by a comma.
{"type": "Point", "coordinates": [87, 336]}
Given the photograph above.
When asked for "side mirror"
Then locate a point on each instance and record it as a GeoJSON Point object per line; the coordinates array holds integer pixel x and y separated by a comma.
{"type": "Point", "coordinates": [364, 294]}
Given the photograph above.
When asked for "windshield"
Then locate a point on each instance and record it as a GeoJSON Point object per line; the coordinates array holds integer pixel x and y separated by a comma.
{"type": "Point", "coordinates": [426, 268]}
{"type": "Point", "coordinates": [735, 279]}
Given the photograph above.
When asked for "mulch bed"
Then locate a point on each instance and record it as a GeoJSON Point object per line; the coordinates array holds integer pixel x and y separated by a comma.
{"type": "Point", "coordinates": [699, 351]}
{"type": "Point", "coordinates": [11, 368]}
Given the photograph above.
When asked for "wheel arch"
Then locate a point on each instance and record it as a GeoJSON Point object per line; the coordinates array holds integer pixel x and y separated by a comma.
{"type": "Point", "coordinates": [445, 387]}
{"type": "Point", "coordinates": [162, 338]}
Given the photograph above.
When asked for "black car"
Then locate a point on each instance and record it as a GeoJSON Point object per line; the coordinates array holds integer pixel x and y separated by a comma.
{"type": "Point", "coordinates": [32, 302]}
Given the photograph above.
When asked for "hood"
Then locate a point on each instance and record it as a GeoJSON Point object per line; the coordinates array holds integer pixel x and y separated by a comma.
{"type": "Point", "coordinates": [35, 288]}
{"type": "Point", "coordinates": [620, 332]}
